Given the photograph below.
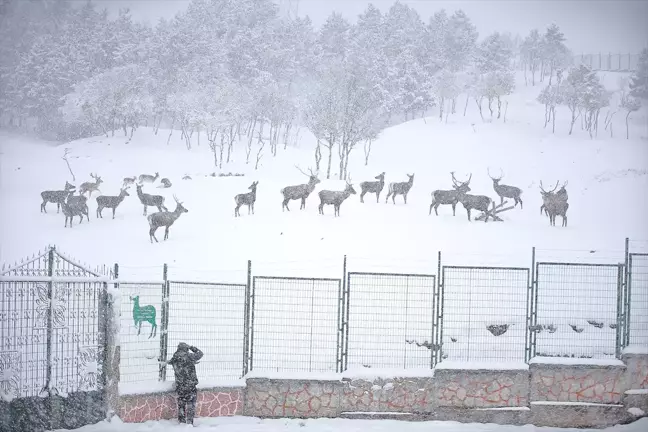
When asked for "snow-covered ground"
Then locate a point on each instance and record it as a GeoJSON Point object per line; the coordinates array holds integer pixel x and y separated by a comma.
{"type": "Point", "coordinates": [608, 177]}
{"type": "Point", "coordinates": [251, 424]}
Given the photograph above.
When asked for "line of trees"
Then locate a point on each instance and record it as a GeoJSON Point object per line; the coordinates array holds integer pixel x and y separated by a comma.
{"type": "Point", "coordinates": [235, 71]}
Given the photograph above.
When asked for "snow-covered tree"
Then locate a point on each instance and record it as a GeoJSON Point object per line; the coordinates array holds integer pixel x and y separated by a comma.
{"type": "Point", "coordinates": [531, 51]}
{"type": "Point", "coordinates": [639, 81]}
{"type": "Point", "coordinates": [555, 54]}
{"type": "Point", "coordinates": [583, 93]}
{"type": "Point", "coordinates": [550, 97]}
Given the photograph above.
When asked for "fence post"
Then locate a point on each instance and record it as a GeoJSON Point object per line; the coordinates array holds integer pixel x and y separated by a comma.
{"type": "Point", "coordinates": [341, 324]}
{"type": "Point", "coordinates": [251, 320]}
{"type": "Point", "coordinates": [438, 319]}
{"type": "Point", "coordinates": [532, 313]}
{"type": "Point", "coordinates": [620, 318]}
{"type": "Point", "coordinates": [627, 276]}
{"type": "Point", "coordinates": [164, 322]}
{"type": "Point", "coordinates": [50, 296]}
{"type": "Point", "coordinates": [112, 351]}
{"type": "Point", "coordinates": [246, 320]}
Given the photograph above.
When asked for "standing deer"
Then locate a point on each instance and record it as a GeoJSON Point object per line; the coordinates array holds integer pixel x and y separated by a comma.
{"type": "Point", "coordinates": [372, 187]}
{"type": "Point", "coordinates": [90, 186]}
{"type": "Point", "coordinates": [555, 204]}
{"type": "Point", "coordinates": [476, 202]}
{"type": "Point", "coordinates": [165, 219]}
{"type": "Point", "coordinates": [301, 191]}
{"type": "Point", "coordinates": [143, 314]}
{"type": "Point", "coordinates": [150, 200]}
{"type": "Point", "coordinates": [56, 197]}
{"type": "Point", "coordinates": [70, 210]}
{"type": "Point", "coordinates": [110, 202]}
{"type": "Point", "coordinates": [79, 202]}
{"type": "Point", "coordinates": [247, 199]}
{"type": "Point", "coordinates": [506, 191]}
{"type": "Point", "coordinates": [400, 188]}
{"type": "Point", "coordinates": [546, 196]}
{"type": "Point", "coordinates": [335, 198]}
{"type": "Point", "coordinates": [128, 181]}
{"type": "Point", "coordinates": [147, 178]}
{"type": "Point", "coordinates": [449, 197]}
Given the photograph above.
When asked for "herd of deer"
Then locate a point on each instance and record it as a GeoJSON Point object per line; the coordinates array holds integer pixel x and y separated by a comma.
{"type": "Point", "coordinates": [554, 203]}
{"type": "Point", "coordinates": [78, 205]}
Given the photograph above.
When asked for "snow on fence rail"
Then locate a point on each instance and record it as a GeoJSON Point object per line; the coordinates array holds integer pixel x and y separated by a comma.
{"type": "Point", "coordinates": [461, 315]}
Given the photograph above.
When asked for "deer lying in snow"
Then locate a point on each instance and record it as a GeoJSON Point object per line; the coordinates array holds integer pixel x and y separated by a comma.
{"type": "Point", "coordinates": [111, 202]}
{"type": "Point", "coordinates": [56, 197]}
{"type": "Point", "coordinates": [400, 188]}
{"type": "Point", "coordinates": [372, 187]}
{"type": "Point", "coordinates": [335, 198]}
{"type": "Point", "coordinates": [247, 199]}
{"type": "Point", "coordinates": [165, 219]}
{"type": "Point", "coordinates": [299, 192]}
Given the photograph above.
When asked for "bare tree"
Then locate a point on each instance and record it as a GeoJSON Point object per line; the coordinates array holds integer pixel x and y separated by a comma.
{"type": "Point", "coordinates": [66, 153]}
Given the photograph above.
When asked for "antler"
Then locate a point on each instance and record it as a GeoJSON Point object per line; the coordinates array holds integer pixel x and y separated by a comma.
{"type": "Point", "coordinates": [554, 189]}
{"type": "Point", "coordinates": [468, 181]}
{"type": "Point", "coordinates": [176, 199]}
{"type": "Point", "coordinates": [495, 178]}
{"type": "Point", "coordinates": [565, 184]}
{"type": "Point", "coordinates": [454, 180]}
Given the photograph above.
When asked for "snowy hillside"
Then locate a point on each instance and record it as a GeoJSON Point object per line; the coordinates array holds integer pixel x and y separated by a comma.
{"type": "Point", "coordinates": [607, 176]}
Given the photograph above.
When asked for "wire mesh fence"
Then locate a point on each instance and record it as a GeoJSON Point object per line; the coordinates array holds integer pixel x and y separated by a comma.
{"type": "Point", "coordinates": [141, 329]}
{"type": "Point", "coordinates": [608, 61]}
{"type": "Point", "coordinates": [484, 313]}
{"type": "Point", "coordinates": [295, 324]}
{"type": "Point", "coordinates": [638, 299]}
{"type": "Point", "coordinates": [209, 316]}
{"type": "Point", "coordinates": [390, 320]}
{"type": "Point", "coordinates": [577, 310]}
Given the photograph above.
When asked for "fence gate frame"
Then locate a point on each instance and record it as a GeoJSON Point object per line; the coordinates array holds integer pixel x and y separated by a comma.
{"type": "Point", "coordinates": [248, 358]}
{"type": "Point", "coordinates": [43, 272]}
{"type": "Point", "coordinates": [627, 295]}
{"type": "Point", "coordinates": [441, 278]}
{"type": "Point", "coordinates": [621, 295]}
{"type": "Point", "coordinates": [435, 311]}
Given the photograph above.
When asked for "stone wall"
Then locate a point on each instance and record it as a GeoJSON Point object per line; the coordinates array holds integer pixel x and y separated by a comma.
{"type": "Point", "coordinates": [587, 383]}
{"type": "Point", "coordinates": [590, 394]}
{"type": "Point", "coordinates": [158, 406]}
{"type": "Point", "coordinates": [461, 388]}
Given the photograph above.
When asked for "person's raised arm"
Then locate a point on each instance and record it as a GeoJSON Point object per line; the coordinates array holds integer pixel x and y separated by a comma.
{"type": "Point", "coordinates": [196, 354]}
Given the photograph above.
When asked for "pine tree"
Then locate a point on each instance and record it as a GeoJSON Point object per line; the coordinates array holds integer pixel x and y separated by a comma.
{"type": "Point", "coordinates": [639, 80]}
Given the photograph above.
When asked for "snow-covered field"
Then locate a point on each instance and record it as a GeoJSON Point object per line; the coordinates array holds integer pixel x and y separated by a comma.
{"type": "Point", "coordinates": [250, 424]}
{"type": "Point", "coordinates": [608, 177]}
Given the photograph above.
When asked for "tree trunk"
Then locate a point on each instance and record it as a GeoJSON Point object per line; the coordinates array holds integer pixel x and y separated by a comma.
{"type": "Point", "coordinates": [490, 106]}
{"type": "Point", "coordinates": [478, 101]}
{"type": "Point", "coordinates": [230, 144]}
{"type": "Point", "coordinates": [573, 120]}
{"type": "Point", "coordinates": [466, 106]}
{"type": "Point", "coordinates": [454, 102]}
{"type": "Point", "coordinates": [367, 151]}
{"type": "Point", "coordinates": [553, 119]}
{"type": "Point", "coordinates": [441, 106]}
{"type": "Point", "coordinates": [627, 126]}
{"type": "Point", "coordinates": [330, 159]}
{"type": "Point", "coordinates": [222, 146]}
{"type": "Point", "coordinates": [499, 107]}
{"type": "Point", "coordinates": [318, 155]}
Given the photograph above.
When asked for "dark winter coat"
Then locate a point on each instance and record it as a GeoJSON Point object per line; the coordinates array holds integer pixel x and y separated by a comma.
{"type": "Point", "coordinates": [184, 366]}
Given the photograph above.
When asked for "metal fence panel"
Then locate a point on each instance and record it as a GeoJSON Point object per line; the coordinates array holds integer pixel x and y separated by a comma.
{"type": "Point", "coordinates": [484, 313]}
{"type": "Point", "coordinates": [390, 320]}
{"type": "Point", "coordinates": [294, 324]}
{"type": "Point", "coordinates": [141, 325]}
{"type": "Point", "coordinates": [211, 317]}
{"type": "Point", "coordinates": [638, 299]}
{"type": "Point", "coordinates": [51, 337]}
{"type": "Point", "coordinates": [577, 309]}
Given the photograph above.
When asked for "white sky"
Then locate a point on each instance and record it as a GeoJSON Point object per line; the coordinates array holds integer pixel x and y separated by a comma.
{"type": "Point", "coordinates": [591, 26]}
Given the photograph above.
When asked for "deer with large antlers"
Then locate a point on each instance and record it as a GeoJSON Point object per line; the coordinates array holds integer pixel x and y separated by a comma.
{"type": "Point", "coordinates": [90, 186]}
{"type": "Point", "coordinates": [372, 187]}
{"type": "Point", "coordinates": [449, 197]}
{"type": "Point", "coordinates": [247, 198]}
{"type": "Point", "coordinates": [400, 188]}
{"type": "Point", "coordinates": [555, 203]}
{"type": "Point", "coordinates": [335, 198]}
{"type": "Point", "coordinates": [506, 191]}
{"type": "Point", "coordinates": [165, 219]}
{"type": "Point", "coordinates": [301, 191]}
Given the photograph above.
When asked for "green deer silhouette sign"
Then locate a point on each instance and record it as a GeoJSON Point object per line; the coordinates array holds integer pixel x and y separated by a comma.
{"type": "Point", "coordinates": [143, 313]}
